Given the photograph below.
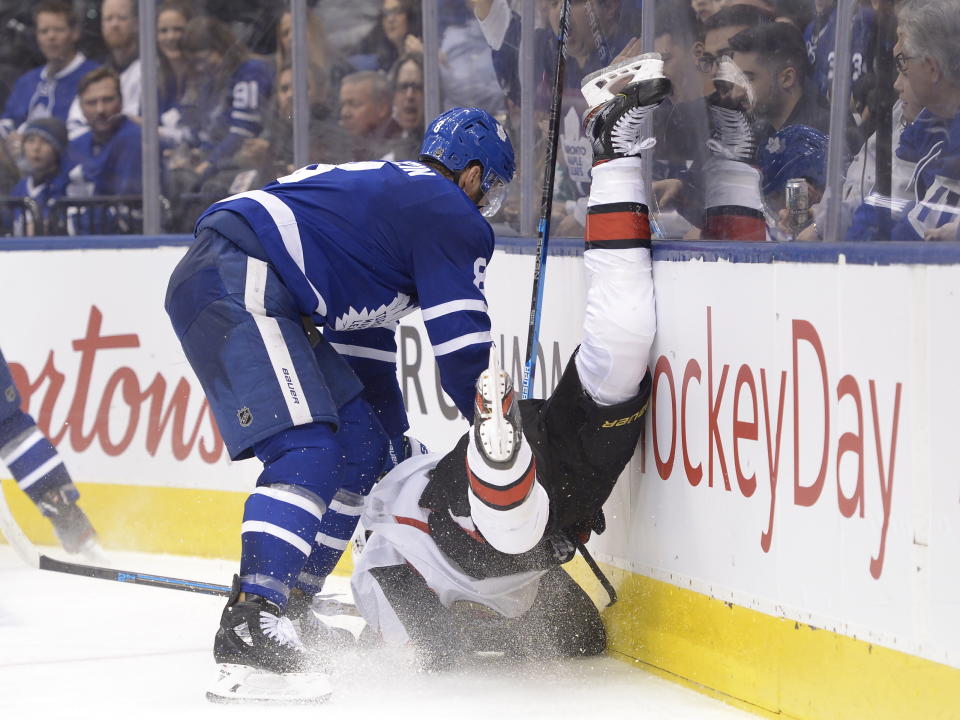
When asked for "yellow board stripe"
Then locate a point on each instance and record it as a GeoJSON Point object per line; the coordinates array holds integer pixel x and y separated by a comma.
{"type": "Point", "coordinates": [770, 666]}
{"type": "Point", "coordinates": [177, 521]}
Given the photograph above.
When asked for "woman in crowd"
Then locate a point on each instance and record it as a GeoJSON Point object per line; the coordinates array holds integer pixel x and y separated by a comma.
{"type": "Point", "coordinates": [325, 68]}
{"type": "Point", "coordinates": [398, 31]}
{"type": "Point", "coordinates": [224, 99]}
{"type": "Point", "coordinates": [172, 19]}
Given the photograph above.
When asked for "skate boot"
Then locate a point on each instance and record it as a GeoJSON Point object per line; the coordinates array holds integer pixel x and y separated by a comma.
{"type": "Point", "coordinates": [621, 97]}
{"type": "Point", "coordinates": [70, 523]}
{"type": "Point", "coordinates": [497, 429]}
{"type": "Point", "coordinates": [260, 656]}
{"type": "Point", "coordinates": [730, 108]}
{"type": "Point", "coordinates": [314, 632]}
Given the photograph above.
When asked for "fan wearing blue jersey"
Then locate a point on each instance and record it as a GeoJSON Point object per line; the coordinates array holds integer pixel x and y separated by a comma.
{"type": "Point", "coordinates": [50, 90]}
{"type": "Point", "coordinates": [39, 471]}
{"type": "Point", "coordinates": [820, 38]}
{"type": "Point", "coordinates": [349, 249]}
{"type": "Point", "coordinates": [926, 52]}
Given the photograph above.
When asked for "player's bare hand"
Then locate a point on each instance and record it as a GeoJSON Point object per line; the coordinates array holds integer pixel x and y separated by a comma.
{"type": "Point", "coordinates": [667, 191]}
{"type": "Point", "coordinates": [481, 8]}
{"type": "Point", "coordinates": [944, 232]}
{"type": "Point", "coordinates": [631, 49]}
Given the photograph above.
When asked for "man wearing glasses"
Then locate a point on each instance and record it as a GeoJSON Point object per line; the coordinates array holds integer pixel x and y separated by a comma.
{"type": "Point", "coordinates": [927, 54]}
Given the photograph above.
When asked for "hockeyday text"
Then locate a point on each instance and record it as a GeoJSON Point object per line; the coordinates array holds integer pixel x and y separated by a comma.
{"type": "Point", "coordinates": [732, 420]}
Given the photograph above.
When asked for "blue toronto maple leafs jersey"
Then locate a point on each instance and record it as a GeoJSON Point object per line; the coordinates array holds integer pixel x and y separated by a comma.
{"type": "Point", "coordinates": [37, 95]}
{"type": "Point", "coordinates": [223, 118]}
{"type": "Point", "coordinates": [821, 35]}
{"type": "Point", "coordinates": [361, 245]}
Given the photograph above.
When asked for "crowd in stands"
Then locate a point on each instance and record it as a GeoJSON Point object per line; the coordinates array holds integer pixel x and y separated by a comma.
{"type": "Point", "coordinates": [71, 125]}
{"type": "Point", "coordinates": [70, 88]}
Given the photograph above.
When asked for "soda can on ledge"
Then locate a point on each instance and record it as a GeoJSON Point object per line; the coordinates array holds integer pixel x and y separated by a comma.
{"type": "Point", "coordinates": [797, 204]}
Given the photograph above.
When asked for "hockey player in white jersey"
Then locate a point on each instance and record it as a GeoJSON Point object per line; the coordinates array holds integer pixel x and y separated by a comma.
{"type": "Point", "coordinates": [465, 549]}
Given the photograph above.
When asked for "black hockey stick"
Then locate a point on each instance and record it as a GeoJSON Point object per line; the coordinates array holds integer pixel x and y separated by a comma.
{"type": "Point", "coordinates": [34, 558]}
{"type": "Point", "coordinates": [607, 585]}
{"type": "Point", "coordinates": [546, 207]}
{"type": "Point", "coordinates": [129, 576]}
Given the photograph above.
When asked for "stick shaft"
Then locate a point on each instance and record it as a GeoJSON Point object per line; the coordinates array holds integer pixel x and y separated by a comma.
{"type": "Point", "coordinates": [131, 576]}
{"type": "Point", "coordinates": [546, 207]}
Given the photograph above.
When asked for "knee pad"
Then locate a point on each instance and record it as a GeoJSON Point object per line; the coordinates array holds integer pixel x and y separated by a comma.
{"type": "Point", "coordinates": [366, 449]}
{"type": "Point", "coordinates": [307, 456]}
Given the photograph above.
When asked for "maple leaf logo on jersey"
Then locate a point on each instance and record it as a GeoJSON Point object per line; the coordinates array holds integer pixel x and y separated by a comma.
{"type": "Point", "coordinates": [354, 319]}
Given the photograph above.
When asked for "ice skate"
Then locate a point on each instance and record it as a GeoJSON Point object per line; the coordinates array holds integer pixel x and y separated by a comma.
{"type": "Point", "coordinates": [621, 97]}
{"type": "Point", "coordinates": [260, 656]}
{"type": "Point", "coordinates": [70, 523]}
{"type": "Point", "coordinates": [732, 136]}
{"type": "Point", "coordinates": [496, 420]}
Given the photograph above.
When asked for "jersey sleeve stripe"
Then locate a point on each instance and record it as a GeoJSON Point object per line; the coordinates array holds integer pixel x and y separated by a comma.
{"type": "Point", "coordinates": [286, 223]}
{"type": "Point", "coordinates": [252, 117]}
{"type": "Point", "coordinates": [461, 342]}
{"type": "Point", "coordinates": [451, 307]}
{"type": "Point", "coordinates": [365, 352]}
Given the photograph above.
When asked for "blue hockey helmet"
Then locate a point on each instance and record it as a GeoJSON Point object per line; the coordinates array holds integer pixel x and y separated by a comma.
{"type": "Point", "coordinates": [796, 151]}
{"type": "Point", "coordinates": [460, 136]}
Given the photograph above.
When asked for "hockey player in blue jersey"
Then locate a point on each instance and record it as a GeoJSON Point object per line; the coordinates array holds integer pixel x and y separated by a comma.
{"type": "Point", "coordinates": [349, 249]}
{"type": "Point", "coordinates": [39, 472]}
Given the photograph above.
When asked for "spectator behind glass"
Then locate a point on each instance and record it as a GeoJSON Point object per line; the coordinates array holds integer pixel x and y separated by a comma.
{"type": "Point", "coordinates": [467, 77]}
{"type": "Point", "coordinates": [773, 58]}
{"type": "Point", "coordinates": [398, 31]}
{"type": "Point", "coordinates": [223, 103]}
{"type": "Point", "coordinates": [44, 154]}
{"type": "Point", "coordinates": [927, 54]}
{"type": "Point", "coordinates": [798, 13]}
{"type": "Point", "coordinates": [270, 156]}
{"type": "Point", "coordinates": [120, 30]}
{"type": "Point", "coordinates": [705, 9]}
{"type": "Point", "coordinates": [406, 79]}
{"type": "Point", "coordinates": [172, 19]}
{"type": "Point", "coordinates": [325, 68]}
{"type": "Point", "coordinates": [50, 90]}
{"type": "Point", "coordinates": [106, 159]}
{"type": "Point", "coordinates": [820, 38]}
{"type": "Point", "coordinates": [366, 105]}
{"type": "Point", "coordinates": [718, 30]}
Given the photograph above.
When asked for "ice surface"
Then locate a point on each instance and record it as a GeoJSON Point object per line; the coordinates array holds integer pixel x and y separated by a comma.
{"type": "Point", "coordinates": [76, 648]}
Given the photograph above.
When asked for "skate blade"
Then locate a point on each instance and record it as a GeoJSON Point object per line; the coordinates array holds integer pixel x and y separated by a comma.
{"type": "Point", "coordinates": [596, 87]}
{"type": "Point", "coordinates": [244, 684]}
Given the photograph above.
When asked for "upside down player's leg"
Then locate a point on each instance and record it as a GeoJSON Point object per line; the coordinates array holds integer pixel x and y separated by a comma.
{"type": "Point", "coordinates": [39, 470]}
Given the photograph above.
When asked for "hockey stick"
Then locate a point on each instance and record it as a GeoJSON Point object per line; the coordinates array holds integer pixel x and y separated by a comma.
{"type": "Point", "coordinates": [35, 559]}
{"type": "Point", "coordinates": [546, 207]}
{"type": "Point", "coordinates": [607, 585]}
{"type": "Point", "coordinates": [599, 38]}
